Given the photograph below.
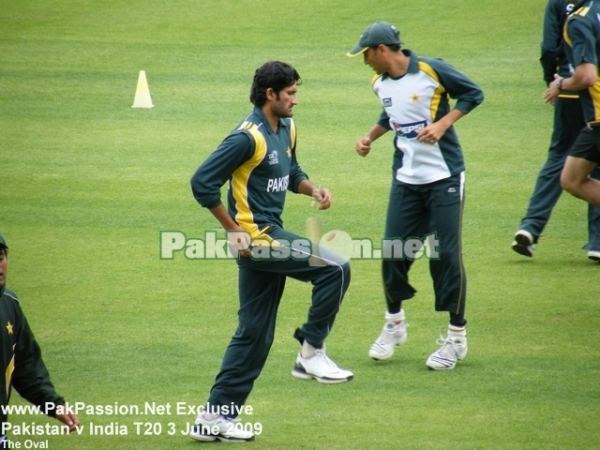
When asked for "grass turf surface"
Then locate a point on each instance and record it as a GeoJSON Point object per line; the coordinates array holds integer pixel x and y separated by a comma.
{"type": "Point", "coordinates": [88, 184]}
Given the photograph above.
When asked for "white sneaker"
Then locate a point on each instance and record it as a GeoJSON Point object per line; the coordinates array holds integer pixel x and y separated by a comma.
{"type": "Point", "coordinates": [221, 428]}
{"type": "Point", "coordinates": [453, 348]}
{"type": "Point", "coordinates": [523, 243]}
{"type": "Point", "coordinates": [594, 255]}
{"type": "Point", "coordinates": [391, 336]}
{"type": "Point", "coordinates": [321, 368]}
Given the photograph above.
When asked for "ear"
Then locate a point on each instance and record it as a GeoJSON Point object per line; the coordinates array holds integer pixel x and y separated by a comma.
{"type": "Point", "coordinates": [270, 94]}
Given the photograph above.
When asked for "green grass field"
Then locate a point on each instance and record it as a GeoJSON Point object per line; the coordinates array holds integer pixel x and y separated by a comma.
{"type": "Point", "coordinates": [88, 184]}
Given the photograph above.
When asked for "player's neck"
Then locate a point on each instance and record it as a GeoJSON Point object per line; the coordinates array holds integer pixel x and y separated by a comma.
{"type": "Point", "coordinates": [398, 65]}
{"type": "Point", "coordinates": [272, 119]}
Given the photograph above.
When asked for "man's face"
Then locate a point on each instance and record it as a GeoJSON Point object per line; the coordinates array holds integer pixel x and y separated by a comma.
{"type": "Point", "coordinates": [284, 101]}
{"type": "Point", "coordinates": [373, 57]}
{"type": "Point", "coordinates": [3, 265]}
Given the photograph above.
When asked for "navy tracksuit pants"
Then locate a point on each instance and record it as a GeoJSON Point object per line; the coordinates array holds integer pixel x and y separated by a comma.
{"type": "Point", "coordinates": [415, 211]}
{"type": "Point", "coordinates": [261, 284]}
{"type": "Point", "coordinates": [568, 122]}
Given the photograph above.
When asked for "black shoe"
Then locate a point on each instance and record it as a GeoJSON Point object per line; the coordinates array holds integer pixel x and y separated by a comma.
{"type": "Point", "coordinates": [523, 243]}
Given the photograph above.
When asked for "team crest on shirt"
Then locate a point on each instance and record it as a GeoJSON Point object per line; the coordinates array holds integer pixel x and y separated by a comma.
{"type": "Point", "coordinates": [387, 102]}
{"type": "Point", "coordinates": [273, 158]}
{"type": "Point", "coordinates": [9, 327]}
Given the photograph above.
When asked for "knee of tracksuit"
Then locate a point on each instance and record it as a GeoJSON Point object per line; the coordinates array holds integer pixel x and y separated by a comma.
{"type": "Point", "coordinates": [342, 274]}
{"type": "Point", "coordinates": [449, 260]}
{"type": "Point", "coordinates": [255, 334]}
{"type": "Point", "coordinates": [346, 273]}
{"type": "Point", "coordinates": [334, 274]}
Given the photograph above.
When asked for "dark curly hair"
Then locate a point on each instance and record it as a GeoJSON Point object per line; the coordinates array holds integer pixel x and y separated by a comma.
{"type": "Point", "coordinates": [276, 75]}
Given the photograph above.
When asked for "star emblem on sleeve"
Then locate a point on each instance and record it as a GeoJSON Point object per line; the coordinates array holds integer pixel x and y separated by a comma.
{"type": "Point", "coordinates": [9, 327]}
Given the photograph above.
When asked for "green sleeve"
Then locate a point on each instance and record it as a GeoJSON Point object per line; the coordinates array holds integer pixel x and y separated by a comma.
{"type": "Point", "coordinates": [297, 175]}
{"type": "Point", "coordinates": [30, 377]}
{"type": "Point", "coordinates": [458, 86]}
{"type": "Point", "coordinates": [214, 172]}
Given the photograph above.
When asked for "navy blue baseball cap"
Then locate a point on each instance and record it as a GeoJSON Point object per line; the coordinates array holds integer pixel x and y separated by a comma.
{"type": "Point", "coordinates": [378, 33]}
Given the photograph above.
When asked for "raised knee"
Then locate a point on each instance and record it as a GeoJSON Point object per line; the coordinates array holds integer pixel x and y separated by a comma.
{"type": "Point", "coordinates": [346, 268]}
{"type": "Point", "coordinates": [567, 183]}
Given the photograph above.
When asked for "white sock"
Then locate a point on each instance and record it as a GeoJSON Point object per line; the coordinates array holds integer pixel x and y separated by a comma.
{"type": "Point", "coordinates": [307, 351]}
{"type": "Point", "coordinates": [396, 319]}
{"type": "Point", "coordinates": [208, 416]}
{"type": "Point", "coordinates": [457, 333]}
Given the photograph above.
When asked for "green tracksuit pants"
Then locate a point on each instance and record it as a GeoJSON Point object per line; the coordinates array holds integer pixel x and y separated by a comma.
{"type": "Point", "coordinates": [415, 211]}
{"type": "Point", "coordinates": [261, 284]}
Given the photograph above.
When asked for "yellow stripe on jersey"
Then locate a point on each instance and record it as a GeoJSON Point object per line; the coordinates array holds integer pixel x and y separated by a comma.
{"type": "Point", "coordinates": [439, 91]}
{"type": "Point", "coordinates": [293, 134]}
{"type": "Point", "coordinates": [580, 12]}
{"type": "Point", "coordinates": [595, 94]}
{"type": "Point", "coordinates": [9, 372]}
{"type": "Point", "coordinates": [240, 179]}
{"type": "Point", "coordinates": [374, 79]}
{"type": "Point", "coordinates": [566, 38]}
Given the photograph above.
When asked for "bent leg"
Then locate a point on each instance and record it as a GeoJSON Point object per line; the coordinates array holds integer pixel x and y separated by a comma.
{"type": "Point", "coordinates": [330, 279]}
{"type": "Point", "coordinates": [575, 180]}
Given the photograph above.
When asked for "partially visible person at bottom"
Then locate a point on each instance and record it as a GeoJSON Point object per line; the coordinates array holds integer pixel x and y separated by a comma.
{"type": "Point", "coordinates": [427, 190]}
{"type": "Point", "coordinates": [259, 160]}
{"type": "Point", "coordinates": [568, 122]}
{"type": "Point", "coordinates": [22, 366]}
{"type": "Point", "coordinates": [582, 36]}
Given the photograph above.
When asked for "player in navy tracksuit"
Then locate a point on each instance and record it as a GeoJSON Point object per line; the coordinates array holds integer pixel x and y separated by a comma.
{"type": "Point", "coordinates": [258, 160]}
{"type": "Point", "coordinates": [428, 187]}
{"type": "Point", "coordinates": [568, 122]}
{"type": "Point", "coordinates": [582, 36]}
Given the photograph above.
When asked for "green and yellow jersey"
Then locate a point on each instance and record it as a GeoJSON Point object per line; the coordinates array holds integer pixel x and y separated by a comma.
{"type": "Point", "coordinates": [416, 100]}
{"type": "Point", "coordinates": [22, 365]}
{"type": "Point", "coordinates": [260, 166]}
{"type": "Point", "coordinates": [581, 34]}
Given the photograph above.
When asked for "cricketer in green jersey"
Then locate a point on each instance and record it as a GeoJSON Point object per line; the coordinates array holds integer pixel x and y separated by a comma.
{"type": "Point", "coordinates": [258, 161]}
{"type": "Point", "coordinates": [582, 36]}
{"type": "Point", "coordinates": [568, 122]}
{"type": "Point", "coordinates": [427, 192]}
{"type": "Point", "coordinates": [22, 365]}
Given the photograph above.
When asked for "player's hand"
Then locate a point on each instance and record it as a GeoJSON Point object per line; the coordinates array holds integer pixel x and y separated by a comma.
{"type": "Point", "coordinates": [431, 134]}
{"type": "Point", "coordinates": [239, 243]}
{"type": "Point", "coordinates": [322, 196]}
{"type": "Point", "coordinates": [363, 146]}
{"type": "Point", "coordinates": [553, 90]}
{"type": "Point", "coordinates": [69, 418]}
